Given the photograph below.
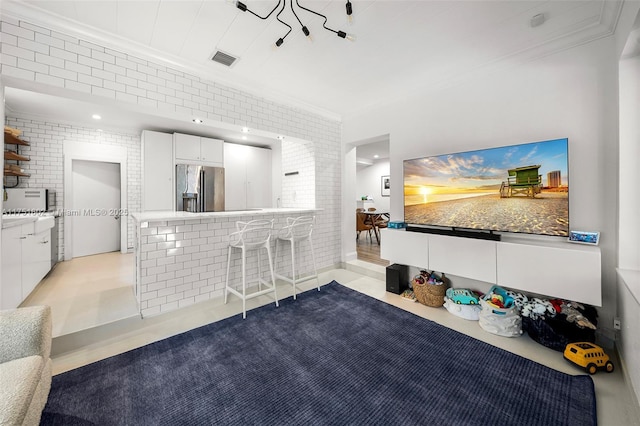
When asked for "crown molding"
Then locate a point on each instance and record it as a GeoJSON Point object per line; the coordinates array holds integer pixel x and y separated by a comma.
{"type": "Point", "coordinates": [40, 17]}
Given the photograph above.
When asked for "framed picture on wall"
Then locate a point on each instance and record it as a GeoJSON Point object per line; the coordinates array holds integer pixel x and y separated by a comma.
{"type": "Point", "coordinates": [385, 186]}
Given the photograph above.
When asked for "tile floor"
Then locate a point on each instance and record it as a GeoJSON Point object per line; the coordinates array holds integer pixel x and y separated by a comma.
{"type": "Point", "coordinates": [77, 306]}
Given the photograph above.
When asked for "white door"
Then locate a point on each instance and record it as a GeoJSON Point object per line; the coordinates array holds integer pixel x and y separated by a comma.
{"type": "Point", "coordinates": [96, 202]}
{"type": "Point", "coordinates": [157, 182]}
{"type": "Point", "coordinates": [235, 177]}
{"type": "Point", "coordinates": [258, 168]}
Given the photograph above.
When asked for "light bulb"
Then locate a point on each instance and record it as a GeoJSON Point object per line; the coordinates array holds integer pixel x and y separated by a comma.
{"type": "Point", "coordinates": [351, 37]}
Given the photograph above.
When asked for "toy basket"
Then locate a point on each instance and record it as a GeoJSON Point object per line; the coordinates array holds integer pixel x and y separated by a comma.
{"type": "Point", "coordinates": [505, 322]}
{"type": "Point", "coordinates": [429, 294]}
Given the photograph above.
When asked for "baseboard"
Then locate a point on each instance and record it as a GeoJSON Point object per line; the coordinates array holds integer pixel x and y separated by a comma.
{"type": "Point", "coordinates": [348, 257]}
{"type": "Point", "coordinates": [628, 383]}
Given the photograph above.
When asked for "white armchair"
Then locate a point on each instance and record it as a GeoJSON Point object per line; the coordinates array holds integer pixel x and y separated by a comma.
{"type": "Point", "coordinates": [25, 364]}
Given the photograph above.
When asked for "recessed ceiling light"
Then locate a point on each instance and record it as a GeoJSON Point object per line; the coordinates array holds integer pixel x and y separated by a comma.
{"type": "Point", "coordinates": [96, 117]}
{"type": "Point", "coordinates": [376, 156]}
{"type": "Point", "coordinates": [280, 137]}
{"type": "Point", "coordinates": [245, 130]}
{"type": "Point", "coordinates": [197, 121]}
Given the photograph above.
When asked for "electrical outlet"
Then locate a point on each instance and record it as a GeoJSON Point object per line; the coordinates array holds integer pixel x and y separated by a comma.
{"type": "Point", "coordinates": [616, 323]}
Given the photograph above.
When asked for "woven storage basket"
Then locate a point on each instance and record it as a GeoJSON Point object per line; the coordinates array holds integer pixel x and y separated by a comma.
{"type": "Point", "coordinates": [429, 294]}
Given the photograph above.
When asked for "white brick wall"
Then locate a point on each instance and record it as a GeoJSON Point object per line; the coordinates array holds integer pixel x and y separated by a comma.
{"type": "Point", "coordinates": [32, 53]}
{"type": "Point", "coordinates": [47, 161]}
{"type": "Point", "coordinates": [184, 262]}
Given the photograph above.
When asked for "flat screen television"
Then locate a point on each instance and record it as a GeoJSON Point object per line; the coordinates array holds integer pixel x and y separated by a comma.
{"type": "Point", "coordinates": [520, 188]}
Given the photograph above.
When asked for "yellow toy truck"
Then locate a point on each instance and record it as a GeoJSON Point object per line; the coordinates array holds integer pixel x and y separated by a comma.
{"type": "Point", "coordinates": [589, 356]}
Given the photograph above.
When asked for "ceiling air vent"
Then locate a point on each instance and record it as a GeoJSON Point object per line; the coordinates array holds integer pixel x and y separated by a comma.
{"type": "Point", "coordinates": [223, 58]}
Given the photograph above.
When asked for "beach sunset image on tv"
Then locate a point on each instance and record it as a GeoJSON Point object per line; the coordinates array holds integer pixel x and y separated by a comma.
{"type": "Point", "coordinates": [520, 188]}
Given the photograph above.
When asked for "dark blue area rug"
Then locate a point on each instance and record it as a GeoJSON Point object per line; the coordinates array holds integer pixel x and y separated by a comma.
{"type": "Point", "coordinates": [331, 357]}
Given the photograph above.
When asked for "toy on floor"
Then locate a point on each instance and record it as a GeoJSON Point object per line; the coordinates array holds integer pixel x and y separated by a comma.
{"type": "Point", "coordinates": [462, 296]}
{"type": "Point", "coordinates": [589, 356]}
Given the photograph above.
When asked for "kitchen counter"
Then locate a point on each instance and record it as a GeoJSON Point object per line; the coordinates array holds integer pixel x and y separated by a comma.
{"type": "Point", "coordinates": [18, 219]}
{"type": "Point", "coordinates": [9, 221]}
{"type": "Point", "coordinates": [181, 257]}
{"type": "Point", "coordinates": [179, 215]}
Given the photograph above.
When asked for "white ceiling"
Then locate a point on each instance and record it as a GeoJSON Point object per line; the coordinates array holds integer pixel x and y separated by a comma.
{"type": "Point", "coordinates": [402, 47]}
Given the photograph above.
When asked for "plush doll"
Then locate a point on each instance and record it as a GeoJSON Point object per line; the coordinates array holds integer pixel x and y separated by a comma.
{"type": "Point", "coordinates": [573, 315]}
{"type": "Point", "coordinates": [519, 299]}
{"type": "Point", "coordinates": [538, 308]}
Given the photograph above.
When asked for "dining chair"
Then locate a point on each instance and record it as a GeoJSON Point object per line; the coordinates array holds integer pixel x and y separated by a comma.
{"type": "Point", "coordinates": [361, 225]}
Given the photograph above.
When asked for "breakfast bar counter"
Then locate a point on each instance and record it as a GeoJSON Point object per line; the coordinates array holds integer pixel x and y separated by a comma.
{"type": "Point", "coordinates": [181, 257]}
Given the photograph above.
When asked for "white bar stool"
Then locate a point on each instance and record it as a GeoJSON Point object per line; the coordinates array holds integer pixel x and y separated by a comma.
{"type": "Point", "coordinates": [297, 230]}
{"type": "Point", "coordinates": [253, 235]}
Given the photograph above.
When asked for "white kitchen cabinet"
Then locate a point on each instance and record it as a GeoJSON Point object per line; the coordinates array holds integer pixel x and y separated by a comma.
{"type": "Point", "coordinates": [198, 150]}
{"type": "Point", "coordinates": [247, 177]}
{"type": "Point", "coordinates": [157, 171]}
{"type": "Point", "coordinates": [26, 259]}
{"type": "Point", "coordinates": [36, 258]}
{"type": "Point", "coordinates": [11, 290]}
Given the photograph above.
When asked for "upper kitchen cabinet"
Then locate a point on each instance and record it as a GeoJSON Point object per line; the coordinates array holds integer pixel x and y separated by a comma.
{"type": "Point", "coordinates": [247, 177]}
{"type": "Point", "coordinates": [198, 150]}
{"type": "Point", "coordinates": [157, 171]}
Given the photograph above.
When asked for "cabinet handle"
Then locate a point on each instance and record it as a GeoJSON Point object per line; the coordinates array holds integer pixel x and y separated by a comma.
{"type": "Point", "coordinates": [44, 242]}
{"type": "Point", "coordinates": [23, 238]}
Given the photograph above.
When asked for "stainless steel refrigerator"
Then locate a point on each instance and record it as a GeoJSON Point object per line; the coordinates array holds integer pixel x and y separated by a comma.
{"type": "Point", "coordinates": [199, 188]}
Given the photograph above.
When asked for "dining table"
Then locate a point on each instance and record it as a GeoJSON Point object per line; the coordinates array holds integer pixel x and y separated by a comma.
{"type": "Point", "coordinates": [372, 218]}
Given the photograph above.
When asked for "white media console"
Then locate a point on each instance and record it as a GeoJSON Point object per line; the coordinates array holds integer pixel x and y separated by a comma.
{"type": "Point", "coordinates": [550, 268]}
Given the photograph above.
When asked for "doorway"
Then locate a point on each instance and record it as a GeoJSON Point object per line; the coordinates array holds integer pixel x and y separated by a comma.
{"type": "Point", "coordinates": [96, 200]}
{"type": "Point", "coordinates": [92, 154]}
{"type": "Point", "coordinates": [367, 164]}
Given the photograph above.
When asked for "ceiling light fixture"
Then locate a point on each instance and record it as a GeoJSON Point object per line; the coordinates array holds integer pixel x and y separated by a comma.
{"type": "Point", "coordinates": [197, 121]}
{"type": "Point", "coordinates": [283, 3]}
{"type": "Point", "coordinates": [96, 117]}
{"type": "Point", "coordinates": [245, 130]}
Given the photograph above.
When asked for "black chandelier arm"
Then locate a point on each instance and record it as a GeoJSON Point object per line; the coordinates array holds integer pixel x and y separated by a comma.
{"type": "Point", "coordinates": [281, 40]}
{"type": "Point", "coordinates": [324, 24]}
{"type": "Point", "coordinates": [243, 7]}
{"type": "Point", "coordinates": [305, 30]}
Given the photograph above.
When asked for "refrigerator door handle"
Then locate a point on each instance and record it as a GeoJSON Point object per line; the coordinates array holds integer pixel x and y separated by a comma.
{"type": "Point", "coordinates": [201, 200]}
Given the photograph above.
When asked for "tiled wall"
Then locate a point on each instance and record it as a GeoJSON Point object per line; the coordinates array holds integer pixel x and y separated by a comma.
{"type": "Point", "coordinates": [32, 53]}
{"type": "Point", "coordinates": [46, 161]}
{"type": "Point", "coordinates": [184, 262]}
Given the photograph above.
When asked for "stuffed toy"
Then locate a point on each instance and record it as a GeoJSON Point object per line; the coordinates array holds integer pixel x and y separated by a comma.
{"type": "Point", "coordinates": [538, 308]}
{"type": "Point", "coordinates": [573, 315]}
{"type": "Point", "coordinates": [519, 299]}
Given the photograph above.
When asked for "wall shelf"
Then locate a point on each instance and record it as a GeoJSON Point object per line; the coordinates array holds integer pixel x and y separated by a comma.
{"type": "Point", "coordinates": [11, 139]}
{"type": "Point", "coordinates": [11, 155]}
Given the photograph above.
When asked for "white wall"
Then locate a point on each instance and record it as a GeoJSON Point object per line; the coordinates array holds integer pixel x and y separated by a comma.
{"type": "Point", "coordinates": [40, 59]}
{"type": "Point", "coordinates": [368, 183]}
{"type": "Point", "coordinates": [628, 342]}
{"type": "Point", "coordinates": [629, 155]}
{"type": "Point", "coordinates": [569, 94]}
